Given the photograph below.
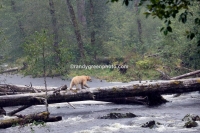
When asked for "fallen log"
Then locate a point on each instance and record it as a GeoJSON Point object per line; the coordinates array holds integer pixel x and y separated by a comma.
{"type": "Point", "coordinates": [15, 69]}
{"type": "Point", "coordinates": [103, 93]}
{"type": "Point", "coordinates": [6, 89]}
{"type": "Point", "coordinates": [22, 120]}
{"type": "Point", "coordinates": [18, 110]}
{"type": "Point", "coordinates": [186, 75]}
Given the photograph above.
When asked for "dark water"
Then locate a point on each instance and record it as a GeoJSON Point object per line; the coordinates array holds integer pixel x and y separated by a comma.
{"type": "Point", "coordinates": [84, 119]}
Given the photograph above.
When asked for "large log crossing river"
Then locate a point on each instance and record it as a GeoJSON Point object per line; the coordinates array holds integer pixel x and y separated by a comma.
{"type": "Point", "coordinates": [84, 118]}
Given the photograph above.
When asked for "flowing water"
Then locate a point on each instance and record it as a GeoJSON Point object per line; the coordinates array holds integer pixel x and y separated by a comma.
{"type": "Point", "coordinates": [84, 118]}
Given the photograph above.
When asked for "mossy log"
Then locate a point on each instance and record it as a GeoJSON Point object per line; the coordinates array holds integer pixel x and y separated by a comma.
{"type": "Point", "coordinates": [22, 120]}
{"type": "Point", "coordinates": [103, 93]}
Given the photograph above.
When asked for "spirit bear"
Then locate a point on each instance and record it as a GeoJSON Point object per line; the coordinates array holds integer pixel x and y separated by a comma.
{"type": "Point", "coordinates": [80, 80]}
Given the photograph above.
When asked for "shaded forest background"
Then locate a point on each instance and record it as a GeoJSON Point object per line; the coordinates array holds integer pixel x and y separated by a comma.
{"type": "Point", "coordinates": [67, 32]}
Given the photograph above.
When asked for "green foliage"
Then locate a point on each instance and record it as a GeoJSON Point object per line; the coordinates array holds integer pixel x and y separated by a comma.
{"type": "Point", "coordinates": [117, 35]}
{"type": "Point", "coordinates": [38, 123]}
{"type": "Point", "coordinates": [33, 49]}
{"type": "Point", "coordinates": [38, 44]}
{"type": "Point", "coordinates": [145, 64]}
{"type": "Point", "coordinates": [4, 48]}
{"type": "Point", "coordinates": [168, 9]}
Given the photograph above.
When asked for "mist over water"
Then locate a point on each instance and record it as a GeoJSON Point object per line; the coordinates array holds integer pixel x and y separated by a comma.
{"type": "Point", "coordinates": [84, 118]}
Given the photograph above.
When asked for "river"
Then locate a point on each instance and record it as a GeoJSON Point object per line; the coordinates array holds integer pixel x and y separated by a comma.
{"type": "Point", "coordinates": [84, 118]}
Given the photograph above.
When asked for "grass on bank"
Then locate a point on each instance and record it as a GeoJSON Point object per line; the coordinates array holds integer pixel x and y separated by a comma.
{"type": "Point", "coordinates": [114, 75]}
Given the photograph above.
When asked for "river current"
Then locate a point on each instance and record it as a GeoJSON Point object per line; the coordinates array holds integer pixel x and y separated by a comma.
{"type": "Point", "coordinates": [84, 118]}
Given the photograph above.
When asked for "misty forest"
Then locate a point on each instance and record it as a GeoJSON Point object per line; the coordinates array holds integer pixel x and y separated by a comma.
{"type": "Point", "coordinates": [97, 33]}
{"type": "Point", "coordinates": [112, 41]}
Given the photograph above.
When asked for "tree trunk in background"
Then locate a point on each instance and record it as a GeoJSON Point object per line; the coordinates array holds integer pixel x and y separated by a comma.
{"type": "Point", "coordinates": [13, 5]}
{"type": "Point", "coordinates": [81, 13]}
{"type": "Point", "coordinates": [76, 29]}
{"type": "Point", "coordinates": [55, 31]}
{"type": "Point", "coordinates": [138, 21]}
{"type": "Point", "coordinates": [92, 28]}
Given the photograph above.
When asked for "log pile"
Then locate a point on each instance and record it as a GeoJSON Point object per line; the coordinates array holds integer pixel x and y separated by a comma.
{"type": "Point", "coordinates": [104, 93]}
{"type": "Point", "coordinates": [145, 93]}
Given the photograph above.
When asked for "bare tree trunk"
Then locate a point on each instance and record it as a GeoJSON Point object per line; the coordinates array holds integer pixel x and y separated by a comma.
{"type": "Point", "coordinates": [92, 28]}
{"type": "Point", "coordinates": [76, 29]}
{"type": "Point", "coordinates": [13, 5]}
{"type": "Point", "coordinates": [44, 74]}
{"type": "Point", "coordinates": [138, 21]}
{"type": "Point", "coordinates": [81, 13]}
{"type": "Point", "coordinates": [55, 30]}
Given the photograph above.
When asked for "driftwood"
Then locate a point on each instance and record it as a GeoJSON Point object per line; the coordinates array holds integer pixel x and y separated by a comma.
{"type": "Point", "coordinates": [18, 110]}
{"type": "Point", "coordinates": [186, 75]}
{"type": "Point", "coordinates": [103, 93]}
{"type": "Point", "coordinates": [166, 77]}
{"type": "Point", "coordinates": [6, 89]}
{"type": "Point", "coordinates": [15, 69]}
{"type": "Point", "coordinates": [22, 120]}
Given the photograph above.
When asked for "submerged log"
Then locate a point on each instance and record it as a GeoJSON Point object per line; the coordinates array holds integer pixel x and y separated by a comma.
{"type": "Point", "coordinates": [103, 93]}
{"type": "Point", "coordinates": [22, 120]}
